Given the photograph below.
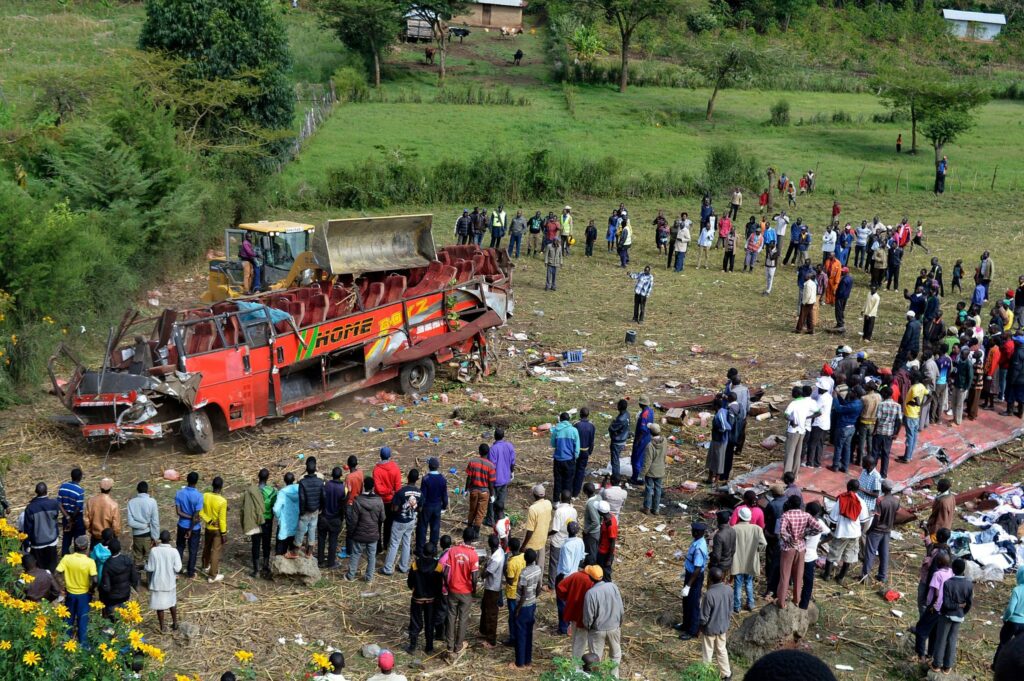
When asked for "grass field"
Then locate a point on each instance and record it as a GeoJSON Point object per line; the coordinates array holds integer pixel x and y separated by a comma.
{"type": "Point", "coordinates": [649, 128]}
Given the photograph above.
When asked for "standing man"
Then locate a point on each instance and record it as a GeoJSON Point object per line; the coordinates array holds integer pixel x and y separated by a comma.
{"type": "Point", "coordinates": [755, 242]}
{"type": "Point", "coordinates": [311, 498]}
{"type": "Point", "coordinates": [119, 577]}
{"type": "Point", "coordinates": [618, 433]}
{"type": "Point", "coordinates": [425, 582]}
{"type": "Point", "coordinates": [714, 622]}
{"type": "Point", "coordinates": [849, 515]}
{"type": "Point", "coordinates": [286, 509]}
{"type": "Point", "coordinates": [746, 562]}
{"type": "Point", "coordinates": [941, 168]}
{"type": "Point", "coordinates": [499, 222]}
{"type": "Point", "coordinates": [843, 292]}
{"type": "Point", "coordinates": [460, 576]}
{"type": "Point", "coordinates": [480, 477]}
{"type": "Point", "coordinates": [144, 521]}
{"type": "Point", "coordinates": [565, 444]}
{"type": "Point", "coordinates": [943, 510]}
{"type": "Point", "coordinates": [886, 508]}
{"type": "Point", "coordinates": [808, 299]}
{"type": "Point", "coordinates": [653, 471]}
{"type": "Point", "coordinates": [602, 618]}
{"type": "Point", "coordinates": [912, 413]}
{"type": "Point", "coordinates": [332, 514]}
{"type": "Point", "coordinates": [41, 516]}
{"type": "Point", "coordinates": [503, 455]}
{"type": "Point", "coordinates": [641, 438]}
{"type": "Point", "coordinates": [609, 538]}
{"type": "Point", "coordinates": [641, 292]}
{"type": "Point", "coordinates": [163, 566]}
{"type": "Point", "coordinates": [365, 518]}
{"type": "Point", "coordinates": [591, 522]}
{"type": "Point", "coordinates": [572, 593]}
{"type": "Point", "coordinates": [586, 432]}
{"type": "Point", "coordinates": [479, 219]}
{"type": "Point", "coordinates": [624, 241]}
{"type": "Point", "coordinates": [188, 503]}
{"type": "Point", "coordinates": [871, 313]}
{"type": "Point", "coordinates": [526, 609]}
{"type": "Point", "coordinates": [387, 478]}
{"type": "Point", "coordinates": [434, 499]}
{"type": "Point", "coordinates": [866, 423]}
{"type": "Point", "coordinates": [693, 580]}
{"type": "Point", "coordinates": [879, 260]}
{"type": "Point", "coordinates": [563, 515]}
{"type": "Point", "coordinates": [910, 343]}
{"type": "Point", "coordinates": [215, 528]}
{"type": "Point", "coordinates": [566, 227]}
{"type": "Point", "coordinates": [77, 575]}
{"type": "Point", "coordinates": [538, 524]}
{"type": "Point", "coordinates": [736, 203]}
{"type": "Point", "coordinates": [403, 508]}
{"type": "Point", "coordinates": [986, 272]}
{"type": "Point", "coordinates": [888, 418]}
{"type": "Point", "coordinates": [258, 521]}
{"type": "Point", "coordinates": [535, 225]}
{"type": "Point", "coordinates": [723, 544]}
{"type": "Point", "coordinates": [463, 228]}
{"type": "Point", "coordinates": [552, 261]}
{"type": "Point", "coordinates": [515, 234]}
{"type": "Point", "coordinates": [71, 497]}
{"type": "Point", "coordinates": [681, 242]}
{"type": "Point", "coordinates": [101, 513]}
{"type": "Point", "coordinates": [796, 525]}
{"type": "Point", "coordinates": [494, 573]}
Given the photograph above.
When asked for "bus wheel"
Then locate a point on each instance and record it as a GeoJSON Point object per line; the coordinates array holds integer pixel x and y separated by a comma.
{"type": "Point", "coordinates": [197, 432]}
{"type": "Point", "coordinates": [416, 377]}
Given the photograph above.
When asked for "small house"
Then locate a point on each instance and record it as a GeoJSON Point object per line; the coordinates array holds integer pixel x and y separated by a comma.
{"type": "Point", "coordinates": [508, 13]}
{"type": "Point", "coordinates": [974, 25]}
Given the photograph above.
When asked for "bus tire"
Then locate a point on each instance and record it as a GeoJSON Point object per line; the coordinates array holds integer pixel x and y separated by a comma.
{"type": "Point", "coordinates": [417, 377]}
{"type": "Point", "coordinates": [197, 431]}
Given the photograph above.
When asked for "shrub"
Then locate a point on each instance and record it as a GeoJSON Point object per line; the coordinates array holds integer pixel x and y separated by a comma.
{"type": "Point", "coordinates": [700, 671]}
{"type": "Point", "coordinates": [569, 92]}
{"type": "Point", "coordinates": [725, 167]}
{"type": "Point", "coordinates": [701, 22]}
{"type": "Point", "coordinates": [841, 117]}
{"type": "Point", "coordinates": [350, 85]}
{"type": "Point", "coordinates": [480, 96]}
{"type": "Point", "coordinates": [779, 114]}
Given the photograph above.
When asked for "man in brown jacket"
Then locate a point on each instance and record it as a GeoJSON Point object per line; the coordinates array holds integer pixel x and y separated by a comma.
{"type": "Point", "coordinates": [943, 510]}
{"type": "Point", "coordinates": [101, 512]}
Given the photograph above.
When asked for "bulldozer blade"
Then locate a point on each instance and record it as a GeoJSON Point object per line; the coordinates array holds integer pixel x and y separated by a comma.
{"type": "Point", "coordinates": [359, 245]}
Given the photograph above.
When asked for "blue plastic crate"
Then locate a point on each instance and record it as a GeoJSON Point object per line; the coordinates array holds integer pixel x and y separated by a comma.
{"type": "Point", "coordinates": [573, 356]}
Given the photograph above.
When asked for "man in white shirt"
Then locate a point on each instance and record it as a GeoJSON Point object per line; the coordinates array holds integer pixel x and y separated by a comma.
{"type": "Point", "coordinates": [811, 553]}
{"type": "Point", "coordinates": [386, 662]}
{"type": "Point", "coordinates": [798, 413]}
{"type": "Point", "coordinates": [337, 661]}
{"type": "Point", "coordinates": [615, 495]}
{"type": "Point", "coordinates": [822, 423]}
{"type": "Point", "coordinates": [808, 298]}
{"type": "Point", "coordinates": [682, 241]}
{"type": "Point", "coordinates": [828, 242]}
{"type": "Point", "coordinates": [563, 515]}
{"type": "Point", "coordinates": [849, 514]}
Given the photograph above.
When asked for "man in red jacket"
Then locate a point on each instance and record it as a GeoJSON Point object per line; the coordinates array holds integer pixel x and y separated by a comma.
{"type": "Point", "coordinates": [572, 590]}
{"type": "Point", "coordinates": [387, 478]}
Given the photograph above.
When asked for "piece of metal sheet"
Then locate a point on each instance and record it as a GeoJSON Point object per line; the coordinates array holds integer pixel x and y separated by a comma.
{"type": "Point", "coordinates": [358, 245]}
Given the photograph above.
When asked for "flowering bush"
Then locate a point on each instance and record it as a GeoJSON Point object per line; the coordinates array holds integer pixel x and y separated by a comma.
{"type": "Point", "coordinates": [34, 641]}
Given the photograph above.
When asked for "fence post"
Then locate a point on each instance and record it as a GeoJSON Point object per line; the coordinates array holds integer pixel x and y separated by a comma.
{"type": "Point", "coordinates": [994, 171]}
{"type": "Point", "coordinates": [898, 177]}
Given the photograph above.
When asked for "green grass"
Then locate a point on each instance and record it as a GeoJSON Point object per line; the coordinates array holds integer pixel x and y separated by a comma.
{"type": "Point", "coordinates": [653, 128]}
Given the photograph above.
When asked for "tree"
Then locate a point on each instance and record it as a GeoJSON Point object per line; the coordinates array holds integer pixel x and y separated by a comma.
{"type": "Point", "coordinates": [437, 13]}
{"type": "Point", "coordinates": [727, 64]}
{"type": "Point", "coordinates": [627, 15]}
{"type": "Point", "coordinates": [239, 41]}
{"type": "Point", "coordinates": [364, 26]}
{"type": "Point", "coordinates": [903, 89]}
{"type": "Point", "coordinates": [947, 111]}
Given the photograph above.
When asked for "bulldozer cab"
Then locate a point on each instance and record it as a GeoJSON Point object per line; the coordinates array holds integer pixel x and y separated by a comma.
{"type": "Point", "coordinates": [277, 245]}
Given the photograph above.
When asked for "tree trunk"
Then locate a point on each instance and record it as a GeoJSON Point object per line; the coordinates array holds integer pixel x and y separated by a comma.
{"type": "Point", "coordinates": [913, 128]}
{"type": "Point", "coordinates": [376, 68]}
{"type": "Point", "coordinates": [938, 153]}
{"type": "Point", "coordinates": [771, 184]}
{"type": "Point", "coordinates": [624, 76]}
{"type": "Point", "coordinates": [711, 103]}
{"type": "Point", "coordinates": [441, 69]}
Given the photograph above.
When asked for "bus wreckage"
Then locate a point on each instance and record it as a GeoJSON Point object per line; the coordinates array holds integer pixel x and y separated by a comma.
{"type": "Point", "coordinates": [382, 303]}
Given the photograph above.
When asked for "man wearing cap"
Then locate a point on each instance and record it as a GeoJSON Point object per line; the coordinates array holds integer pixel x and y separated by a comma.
{"type": "Point", "coordinates": [653, 471]}
{"type": "Point", "coordinates": [387, 478]}
{"type": "Point", "coordinates": [571, 593]}
{"type": "Point", "coordinates": [565, 223]}
{"type": "Point", "coordinates": [602, 618]}
{"type": "Point", "coordinates": [609, 538]}
{"type": "Point", "coordinates": [463, 227]}
{"type": "Point", "coordinates": [77, 575]}
{"type": "Point", "coordinates": [102, 512]}
{"type": "Point", "coordinates": [538, 524]}
{"type": "Point", "coordinates": [693, 580]}
{"type": "Point", "coordinates": [910, 343]}
{"type": "Point", "coordinates": [433, 499]}
{"type": "Point", "coordinates": [480, 476]}
{"type": "Point", "coordinates": [641, 438]}
{"type": "Point", "coordinates": [565, 443]}
{"type": "Point", "coordinates": [386, 663]}
{"type": "Point", "coordinates": [746, 562]}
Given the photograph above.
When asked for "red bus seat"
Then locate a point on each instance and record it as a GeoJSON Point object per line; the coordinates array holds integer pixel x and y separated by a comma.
{"type": "Point", "coordinates": [374, 295]}
{"type": "Point", "coordinates": [201, 337]}
{"type": "Point", "coordinates": [465, 270]}
{"type": "Point", "coordinates": [394, 288]}
{"type": "Point", "coordinates": [316, 309]}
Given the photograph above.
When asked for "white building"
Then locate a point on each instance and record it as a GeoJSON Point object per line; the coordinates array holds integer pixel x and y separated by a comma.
{"type": "Point", "coordinates": [974, 25]}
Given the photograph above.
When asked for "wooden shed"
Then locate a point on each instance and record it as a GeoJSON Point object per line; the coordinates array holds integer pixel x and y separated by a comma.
{"type": "Point", "coordinates": [496, 13]}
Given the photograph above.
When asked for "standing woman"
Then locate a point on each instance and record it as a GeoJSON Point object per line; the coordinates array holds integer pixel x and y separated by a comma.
{"type": "Point", "coordinates": [721, 429]}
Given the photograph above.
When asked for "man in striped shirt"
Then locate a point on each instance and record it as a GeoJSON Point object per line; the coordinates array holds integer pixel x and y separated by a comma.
{"type": "Point", "coordinates": [644, 285]}
{"type": "Point", "coordinates": [887, 425]}
{"type": "Point", "coordinates": [71, 496]}
{"type": "Point", "coordinates": [480, 475]}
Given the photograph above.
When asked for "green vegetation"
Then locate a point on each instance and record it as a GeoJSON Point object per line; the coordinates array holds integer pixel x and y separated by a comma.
{"type": "Point", "coordinates": [364, 26]}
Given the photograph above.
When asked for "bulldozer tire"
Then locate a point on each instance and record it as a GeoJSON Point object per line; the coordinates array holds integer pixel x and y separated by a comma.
{"type": "Point", "coordinates": [417, 377]}
{"type": "Point", "coordinates": [197, 431]}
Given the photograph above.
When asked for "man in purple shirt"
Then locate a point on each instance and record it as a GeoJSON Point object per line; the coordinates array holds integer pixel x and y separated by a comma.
{"type": "Point", "coordinates": [503, 455]}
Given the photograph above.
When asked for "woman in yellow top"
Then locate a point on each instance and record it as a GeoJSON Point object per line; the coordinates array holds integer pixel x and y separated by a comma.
{"type": "Point", "coordinates": [215, 529]}
{"type": "Point", "coordinates": [912, 413]}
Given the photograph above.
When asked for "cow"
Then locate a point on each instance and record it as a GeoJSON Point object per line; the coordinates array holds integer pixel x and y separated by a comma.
{"type": "Point", "coordinates": [517, 57]}
{"type": "Point", "coordinates": [511, 32]}
{"type": "Point", "coordinates": [460, 33]}
{"type": "Point", "coordinates": [428, 55]}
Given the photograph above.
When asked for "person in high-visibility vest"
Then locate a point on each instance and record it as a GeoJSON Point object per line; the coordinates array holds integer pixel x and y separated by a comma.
{"type": "Point", "coordinates": [499, 222]}
{"type": "Point", "coordinates": [566, 222]}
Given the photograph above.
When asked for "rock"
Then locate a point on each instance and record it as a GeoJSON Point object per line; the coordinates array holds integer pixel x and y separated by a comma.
{"type": "Point", "coordinates": [189, 632]}
{"type": "Point", "coordinates": [668, 618]}
{"type": "Point", "coordinates": [952, 676]}
{"type": "Point", "coordinates": [769, 628]}
{"type": "Point", "coordinates": [370, 652]}
{"type": "Point", "coordinates": [301, 569]}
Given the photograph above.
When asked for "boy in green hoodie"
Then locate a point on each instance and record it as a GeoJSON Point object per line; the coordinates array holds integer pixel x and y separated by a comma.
{"type": "Point", "coordinates": [1013, 616]}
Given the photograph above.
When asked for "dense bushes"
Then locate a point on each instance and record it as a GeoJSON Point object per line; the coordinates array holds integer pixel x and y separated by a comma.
{"type": "Point", "coordinates": [779, 114]}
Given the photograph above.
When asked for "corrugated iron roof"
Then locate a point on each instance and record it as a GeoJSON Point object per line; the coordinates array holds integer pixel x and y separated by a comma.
{"type": "Point", "coordinates": [979, 17]}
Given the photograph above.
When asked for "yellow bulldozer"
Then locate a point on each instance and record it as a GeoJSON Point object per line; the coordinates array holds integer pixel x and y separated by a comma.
{"type": "Point", "coordinates": [287, 254]}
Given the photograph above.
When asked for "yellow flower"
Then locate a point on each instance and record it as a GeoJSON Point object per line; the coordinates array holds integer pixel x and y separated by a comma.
{"type": "Point", "coordinates": [27, 578]}
{"type": "Point", "coordinates": [39, 632]}
{"type": "Point", "coordinates": [14, 339]}
{"type": "Point", "coordinates": [109, 655]}
{"type": "Point", "coordinates": [30, 658]}
{"type": "Point", "coordinates": [243, 656]}
{"type": "Point", "coordinates": [71, 646]}
{"type": "Point", "coordinates": [5, 645]}
{"type": "Point", "coordinates": [40, 620]}
{"type": "Point", "coordinates": [21, 535]}
{"type": "Point", "coordinates": [13, 558]}
{"type": "Point", "coordinates": [181, 677]}
{"type": "Point", "coordinates": [96, 605]}
{"type": "Point", "coordinates": [321, 661]}
{"type": "Point", "coordinates": [62, 611]}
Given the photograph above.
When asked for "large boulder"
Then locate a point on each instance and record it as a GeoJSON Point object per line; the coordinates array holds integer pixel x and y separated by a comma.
{"type": "Point", "coordinates": [190, 633]}
{"type": "Point", "coordinates": [770, 628]}
{"type": "Point", "coordinates": [301, 569]}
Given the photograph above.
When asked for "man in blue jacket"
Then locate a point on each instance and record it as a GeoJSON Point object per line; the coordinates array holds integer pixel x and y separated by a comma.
{"type": "Point", "coordinates": [565, 441]}
{"type": "Point", "coordinates": [433, 500]}
{"type": "Point", "coordinates": [845, 413]}
{"type": "Point", "coordinates": [641, 438]}
{"type": "Point", "coordinates": [842, 296]}
{"type": "Point", "coordinates": [41, 517]}
{"type": "Point", "coordinates": [618, 433]}
{"type": "Point", "coordinates": [586, 432]}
